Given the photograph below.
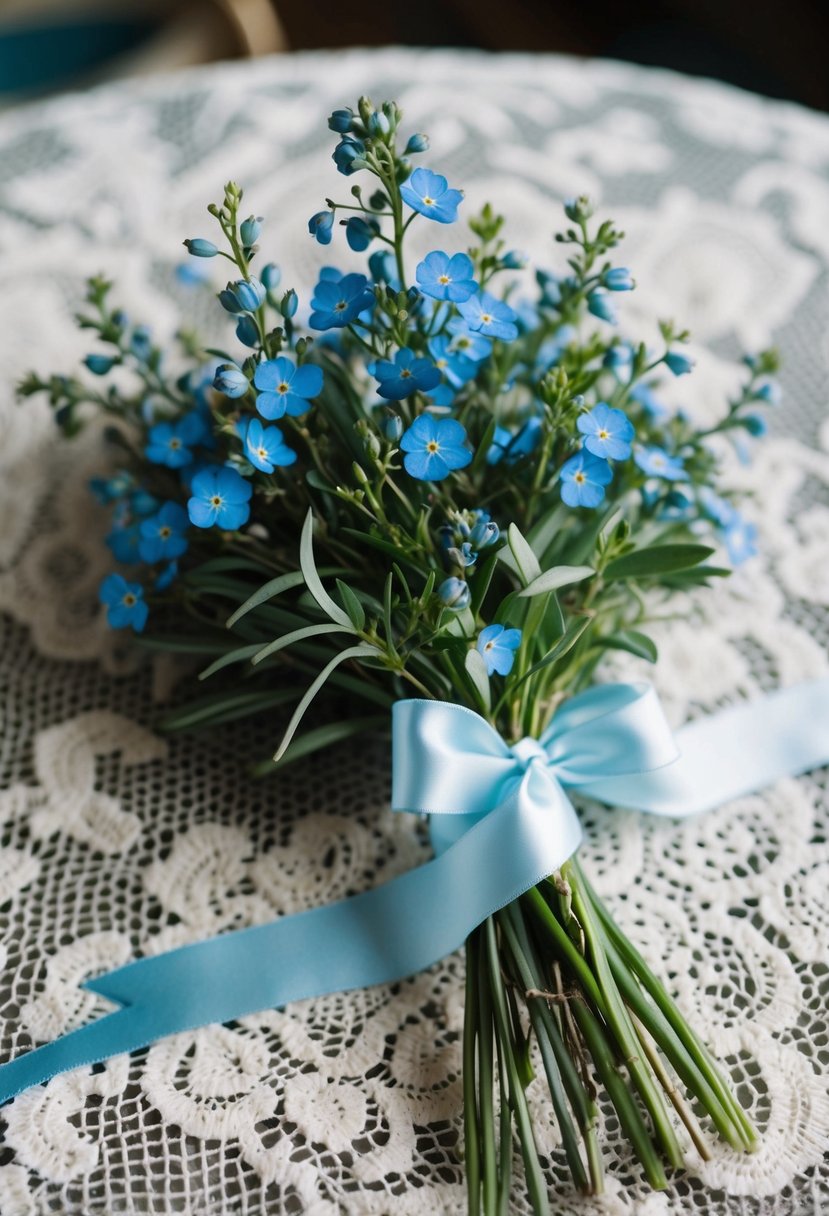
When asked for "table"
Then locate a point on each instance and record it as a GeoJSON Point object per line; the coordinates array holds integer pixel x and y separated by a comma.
{"type": "Point", "coordinates": [117, 841]}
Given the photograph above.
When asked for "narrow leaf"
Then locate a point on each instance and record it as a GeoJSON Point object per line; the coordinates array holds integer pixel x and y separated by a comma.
{"type": "Point", "coordinates": [634, 643]}
{"type": "Point", "coordinates": [312, 579]}
{"type": "Point", "coordinates": [355, 610]}
{"type": "Point", "coordinates": [476, 670]}
{"type": "Point", "coordinates": [267, 592]}
{"type": "Point", "coordinates": [659, 559]}
{"type": "Point", "coordinates": [558, 576]}
{"type": "Point", "coordinates": [239, 655]}
{"type": "Point", "coordinates": [566, 642]}
{"type": "Point", "coordinates": [353, 652]}
{"type": "Point", "coordinates": [298, 635]}
{"type": "Point", "coordinates": [324, 737]}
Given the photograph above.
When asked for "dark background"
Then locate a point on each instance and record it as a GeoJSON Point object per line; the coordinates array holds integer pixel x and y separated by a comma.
{"type": "Point", "coordinates": [781, 49]}
{"type": "Point", "coordinates": [776, 47]}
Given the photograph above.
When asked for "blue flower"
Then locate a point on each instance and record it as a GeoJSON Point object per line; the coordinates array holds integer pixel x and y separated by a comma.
{"type": "Point", "coordinates": [446, 278]}
{"type": "Point", "coordinates": [655, 462]}
{"type": "Point", "coordinates": [442, 396]}
{"type": "Point", "coordinates": [141, 343]}
{"type": "Point", "coordinates": [583, 479]}
{"type": "Point", "coordinates": [487, 315]}
{"type": "Point", "coordinates": [618, 279]}
{"type": "Point", "coordinates": [220, 497]}
{"type": "Point", "coordinates": [200, 248]}
{"type": "Point", "coordinates": [289, 304]}
{"type": "Point", "coordinates": [348, 155]}
{"type": "Point", "coordinates": [598, 303]}
{"type": "Point", "coordinates": [124, 541]}
{"type": "Point", "coordinates": [511, 447]}
{"type": "Point", "coordinates": [142, 502]}
{"type": "Point", "coordinates": [271, 276]}
{"type": "Point", "coordinates": [265, 446]}
{"type": "Point", "coordinates": [405, 375]}
{"type": "Point", "coordinates": [337, 302]}
{"type": "Point", "coordinates": [455, 593]}
{"type": "Point", "coordinates": [250, 229]}
{"type": "Point", "coordinates": [457, 367]}
{"type": "Point", "coordinates": [124, 603]}
{"type": "Point", "coordinates": [99, 365]}
{"type": "Point", "coordinates": [360, 233]}
{"type": "Point", "coordinates": [497, 647]}
{"type": "Point", "coordinates": [461, 556]}
{"type": "Point", "coordinates": [229, 380]}
{"type": "Point", "coordinates": [321, 226]}
{"type": "Point", "coordinates": [740, 539]}
{"type": "Point", "coordinates": [679, 363]}
{"type": "Point", "coordinates": [428, 193]}
{"type": "Point", "coordinates": [162, 536]}
{"type": "Point", "coordinates": [755, 424]}
{"type": "Point", "coordinates": [607, 432]}
{"type": "Point", "coordinates": [383, 268]}
{"type": "Point", "coordinates": [434, 447]}
{"type": "Point", "coordinates": [285, 388]}
{"type": "Point", "coordinates": [466, 342]}
{"type": "Point", "coordinates": [169, 443]}
{"type": "Point", "coordinates": [245, 295]}
{"type": "Point", "coordinates": [619, 357]}
{"type": "Point", "coordinates": [717, 508]}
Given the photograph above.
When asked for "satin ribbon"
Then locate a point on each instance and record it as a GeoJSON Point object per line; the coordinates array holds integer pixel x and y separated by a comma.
{"type": "Point", "coordinates": [500, 821]}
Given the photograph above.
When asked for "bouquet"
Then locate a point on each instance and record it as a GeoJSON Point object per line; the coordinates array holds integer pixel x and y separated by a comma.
{"type": "Point", "coordinates": [453, 482]}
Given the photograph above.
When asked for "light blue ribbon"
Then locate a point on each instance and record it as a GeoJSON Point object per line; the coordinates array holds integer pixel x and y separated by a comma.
{"type": "Point", "coordinates": [500, 822]}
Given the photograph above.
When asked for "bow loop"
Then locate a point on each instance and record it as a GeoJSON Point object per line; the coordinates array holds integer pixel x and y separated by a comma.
{"type": "Point", "coordinates": [527, 750]}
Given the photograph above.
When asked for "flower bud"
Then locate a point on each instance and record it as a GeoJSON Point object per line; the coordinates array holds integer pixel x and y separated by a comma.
{"type": "Point", "coordinates": [678, 362]}
{"type": "Point", "coordinates": [200, 248]}
{"type": "Point", "coordinates": [618, 278]}
{"type": "Point", "coordinates": [485, 532]}
{"type": "Point", "coordinates": [246, 331]}
{"type": "Point", "coordinates": [271, 276]}
{"type": "Point", "coordinates": [392, 427]}
{"type": "Point", "coordinates": [249, 230]}
{"type": "Point", "coordinates": [417, 143]}
{"type": "Point", "coordinates": [598, 303]}
{"type": "Point", "coordinates": [230, 381]}
{"type": "Point", "coordinates": [289, 304]}
{"type": "Point", "coordinates": [246, 295]}
{"type": "Point", "coordinates": [454, 593]}
{"type": "Point", "coordinates": [578, 209]}
{"type": "Point", "coordinates": [100, 364]}
{"type": "Point", "coordinates": [341, 121]}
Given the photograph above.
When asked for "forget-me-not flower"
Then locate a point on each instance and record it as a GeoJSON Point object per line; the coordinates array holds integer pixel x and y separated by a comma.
{"type": "Point", "coordinates": [497, 646]}
{"type": "Point", "coordinates": [230, 380]}
{"type": "Point", "coordinates": [162, 536]}
{"type": "Point", "coordinates": [124, 541]}
{"type": "Point", "coordinates": [655, 462]}
{"type": "Point", "coordinates": [245, 295]}
{"type": "Point", "coordinates": [583, 479]}
{"type": "Point", "coordinates": [454, 593]}
{"type": "Point", "coordinates": [170, 443]}
{"type": "Point", "coordinates": [608, 432]}
{"type": "Point", "coordinates": [360, 233]}
{"type": "Point", "coordinates": [265, 446]}
{"type": "Point", "coordinates": [598, 303]}
{"type": "Point", "coordinates": [339, 301]}
{"type": "Point", "coordinates": [429, 194]}
{"type": "Point", "coordinates": [446, 278]}
{"type": "Point", "coordinates": [220, 497]}
{"type": "Point", "coordinates": [434, 447]}
{"type": "Point", "coordinates": [486, 314]}
{"type": "Point", "coordinates": [285, 388]}
{"type": "Point", "coordinates": [740, 539]}
{"type": "Point", "coordinates": [404, 375]}
{"type": "Point", "coordinates": [321, 226]}
{"type": "Point", "coordinates": [466, 342]}
{"type": "Point", "coordinates": [457, 367]}
{"type": "Point", "coordinates": [678, 362]}
{"type": "Point", "coordinates": [124, 602]}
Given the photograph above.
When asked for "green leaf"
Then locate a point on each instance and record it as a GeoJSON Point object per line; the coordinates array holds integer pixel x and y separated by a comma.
{"type": "Point", "coordinates": [479, 583]}
{"type": "Point", "coordinates": [217, 708]}
{"type": "Point", "coordinates": [355, 610]}
{"type": "Point", "coordinates": [298, 635]}
{"type": "Point", "coordinates": [312, 579]}
{"type": "Point", "coordinates": [558, 576]}
{"type": "Point", "coordinates": [483, 448]}
{"type": "Point", "coordinates": [566, 642]}
{"type": "Point", "coordinates": [476, 670]}
{"type": "Point", "coordinates": [659, 559]}
{"type": "Point", "coordinates": [634, 643]}
{"type": "Point", "coordinates": [526, 562]}
{"type": "Point", "coordinates": [239, 655]}
{"type": "Point", "coordinates": [178, 645]}
{"type": "Point", "coordinates": [353, 652]}
{"type": "Point", "coordinates": [267, 592]}
{"type": "Point", "coordinates": [324, 737]}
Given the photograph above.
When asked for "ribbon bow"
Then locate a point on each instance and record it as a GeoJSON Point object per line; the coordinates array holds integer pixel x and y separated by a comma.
{"type": "Point", "coordinates": [501, 821]}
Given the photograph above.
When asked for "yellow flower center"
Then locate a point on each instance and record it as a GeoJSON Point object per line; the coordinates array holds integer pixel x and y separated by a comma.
{"type": "Point", "coordinates": [604, 434]}
{"type": "Point", "coordinates": [430, 202]}
{"type": "Point", "coordinates": [580, 478]}
{"type": "Point", "coordinates": [175, 444]}
{"type": "Point", "coordinates": [486, 317]}
{"type": "Point", "coordinates": [282, 388]}
{"type": "Point", "coordinates": [216, 501]}
{"type": "Point", "coordinates": [129, 599]}
{"type": "Point", "coordinates": [165, 533]}
{"type": "Point", "coordinates": [444, 278]}
{"type": "Point", "coordinates": [405, 374]}
{"type": "Point", "coordinates": [432, 446]}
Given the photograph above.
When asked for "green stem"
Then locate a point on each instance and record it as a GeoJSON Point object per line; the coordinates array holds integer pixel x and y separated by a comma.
{"type": "Point", "coordinates": [485, 1081]}
{"type": "Point", "coordinates": [472, 1153]}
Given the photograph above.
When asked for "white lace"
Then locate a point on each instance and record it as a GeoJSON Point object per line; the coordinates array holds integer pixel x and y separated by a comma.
{"type": "Point", "coordinates": [116, 843]}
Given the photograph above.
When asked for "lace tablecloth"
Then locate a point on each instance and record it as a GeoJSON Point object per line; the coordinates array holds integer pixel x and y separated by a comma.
{"type": "Point", "coordinates": [116, 842]}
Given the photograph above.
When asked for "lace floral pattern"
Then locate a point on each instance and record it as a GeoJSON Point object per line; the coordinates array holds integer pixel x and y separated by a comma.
{"type": "Point", "coordinates": [115, 843]}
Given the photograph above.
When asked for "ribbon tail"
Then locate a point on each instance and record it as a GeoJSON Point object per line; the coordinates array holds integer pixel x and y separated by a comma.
{"type": "Point", "coordinates": [731, 753]}
{"type": "Point", "coordinates": [383, 935]}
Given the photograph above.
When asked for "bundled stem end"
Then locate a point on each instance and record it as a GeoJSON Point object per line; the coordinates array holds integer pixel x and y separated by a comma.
{"type": "Point", "coordinates": [555, 967]}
